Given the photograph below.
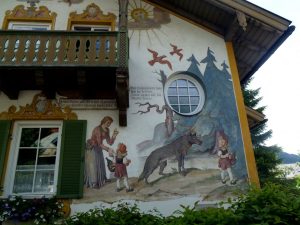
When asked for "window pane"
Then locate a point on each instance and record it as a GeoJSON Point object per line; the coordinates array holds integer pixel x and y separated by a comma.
{"type": "Point", "coordinates": [175, 107]}
{"type": "Point", "coordinates": [195, 100]}
{"type": "Point", "coordinates": [173, 100]}
{"type": "Point", "coordinates": [27, 156]}
{"type": "Point", "coordinates": [193, 107]}
{"type": "Point", "coordinates": [193, 91]}
{"type": "Point", "coordinates": [184, 100]}
{"type": "Point", "coordinates": [23, 182]}
{"type": "Point", "coordinates": [185, 109]}
{"type": "Point", "coordinates": [172, 91]}
{"type": "Point", "coordinates": [49, 137]}
{"type": "Point", "coordinates": [47, 156]}
{"type": "Point", "coordinates": [79, 28]}
{"type": "Point", "coordinates": [173, 84]}
{"type": "Point", "coordinates": [39, 28]}
{"type": "Point", "coordinates": [182, 91]}
{"type": "Point", "coordinates": [182, 83]}
{"type": "Point", "coordinates": [189, 93]}
{"type": "Point", "coordinates": [191, 84]}
{"type": "Point", "coordinates": [44, 181]}
{"type": "Point", "coordinates": [29, 137]}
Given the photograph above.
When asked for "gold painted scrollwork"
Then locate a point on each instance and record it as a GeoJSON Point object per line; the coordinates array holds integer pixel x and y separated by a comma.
{"type": "Point", "coordinates": [40, 108]}
{"type": "Point", "coordinates": [92, 15]}
{"type": "Point", "coordinates": [30, 14]}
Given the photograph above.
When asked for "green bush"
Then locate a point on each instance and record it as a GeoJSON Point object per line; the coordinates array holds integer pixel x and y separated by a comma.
{"type": "Point", "coordinates": [273, 204]}
{"type": "Point", "coordinates": [123, 214]}
{"type": "Point", "coordinates": [208, 216]}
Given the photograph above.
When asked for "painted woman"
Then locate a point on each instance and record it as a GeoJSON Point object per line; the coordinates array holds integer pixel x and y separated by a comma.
{"type": "Point", "coordinates": [95, 171]}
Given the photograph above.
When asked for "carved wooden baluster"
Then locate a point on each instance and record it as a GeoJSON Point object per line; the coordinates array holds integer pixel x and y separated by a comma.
{"type": "Point", "coordinates": [92, 54]}
{"type": "Point", "coordinates": [47, 43]}
{"type": "Point", "coordinates": [10, 54]}
{"type": "Point", "coordinates": [71, 55]}
{"type": "Point", "coordinates": [41, 52]}
{"type": "Point", "coordinates": [51, 50]}
{"type": "Point", "coordinates": [67, 47]}
{"type": "Point", "coordinates": [107, 49]}
{"type": "Point", "coordinates": [21, 50]}
{"type": "Point", "coordinates": [57, 49]}
{"type": "Point", "coordinates": [102, 50]}
{"type": "Point", "coordinates": [62, 50]}
{"type": "Point", "coordinates": [87, 49]}
{"type": "Point", "coordinates": [31, 49]}
{"type": "Point", "coordinates": [3, 47]}
{"type": "Point", "coordinates": [37, 46]}
{"type": "Point", "coordinates": [81, 50]}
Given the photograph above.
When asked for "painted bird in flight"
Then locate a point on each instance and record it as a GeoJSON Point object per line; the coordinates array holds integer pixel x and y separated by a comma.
{"type": "Point", "coordinates": [159, 59]}
{"type": "Point", "coordinates": [176, 51]}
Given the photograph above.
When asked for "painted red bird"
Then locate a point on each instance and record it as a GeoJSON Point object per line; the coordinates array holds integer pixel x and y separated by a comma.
{"type": "Point", "coordinates": [176, 51]}
{"type": "Point", "coordinates": [159, 59]}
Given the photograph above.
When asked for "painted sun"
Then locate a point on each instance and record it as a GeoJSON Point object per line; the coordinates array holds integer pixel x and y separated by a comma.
{"type": "Point", "coordinates": [145, 18]}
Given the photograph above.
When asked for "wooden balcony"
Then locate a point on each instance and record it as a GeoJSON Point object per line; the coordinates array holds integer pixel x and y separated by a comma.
{"type": "Point", "coordinates": [74, 64]}
{"type": "Point", "coordinates": [77, 65]}
{"type": "Point", "coordinates": [59, 49]}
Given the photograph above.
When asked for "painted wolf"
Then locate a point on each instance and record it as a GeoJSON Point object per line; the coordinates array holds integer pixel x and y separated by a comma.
{"type": "Point", "coordinates": [177, 148]}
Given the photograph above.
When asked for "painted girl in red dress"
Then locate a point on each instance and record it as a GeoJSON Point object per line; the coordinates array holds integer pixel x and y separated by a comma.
{"type": "Point", "coordinates": [120, 170]}
{"type": "Point", "coordinates": [226, 158]}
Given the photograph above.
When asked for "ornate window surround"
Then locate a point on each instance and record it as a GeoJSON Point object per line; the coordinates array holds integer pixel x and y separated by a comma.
{"type": "Point", "coordinates": [31, 14]}
{"type": "Point", "coordinates": [92, 15]}
{"type": "Point", "coordinates": [40, 109]}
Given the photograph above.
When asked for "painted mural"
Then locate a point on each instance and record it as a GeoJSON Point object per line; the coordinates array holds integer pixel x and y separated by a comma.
{"type": "Point", "coordinates": [183, 139]}
{"type": "Point", "coordinates": [176, 151]}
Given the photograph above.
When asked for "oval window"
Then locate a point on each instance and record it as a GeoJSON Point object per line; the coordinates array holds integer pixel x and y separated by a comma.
{"type": "Point", "coordinates": [184, 94]}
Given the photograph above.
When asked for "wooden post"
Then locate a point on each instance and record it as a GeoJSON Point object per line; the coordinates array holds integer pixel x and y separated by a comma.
{"type": "Point", "coordinates": [122, 89]}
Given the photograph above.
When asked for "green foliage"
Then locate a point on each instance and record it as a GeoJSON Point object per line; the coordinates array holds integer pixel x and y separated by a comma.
{"type": "Point", "coordinates": [40, 211]}
{"type": "Point", "coordinates": [123, 214]}
{"type": "Point", "coordinates": [267, 162]}
{"type": "Point", "coordinates": [273, 204]}
{"type": "Point", "coordinates": [267, 157]}
{"type": "Point", "coordinates": [209, 216]}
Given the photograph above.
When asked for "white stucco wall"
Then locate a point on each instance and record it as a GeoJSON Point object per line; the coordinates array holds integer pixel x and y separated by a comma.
{"type": "Point", "coordinates": [192, 39]}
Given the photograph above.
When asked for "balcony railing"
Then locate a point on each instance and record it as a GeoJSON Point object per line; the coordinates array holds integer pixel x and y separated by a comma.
{"type": "Point", "coordinates": [61, 48]}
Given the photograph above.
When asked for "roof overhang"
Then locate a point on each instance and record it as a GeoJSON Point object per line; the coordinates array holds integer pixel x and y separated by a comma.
{"type": "Point", "coordinates": [253, 42]}
{"type": "Point", "coordinates": [254, 117]}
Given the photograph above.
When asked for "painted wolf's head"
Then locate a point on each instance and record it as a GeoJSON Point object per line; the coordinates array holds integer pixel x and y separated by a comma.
{"type": "Point", "coordinates": [192, 138]}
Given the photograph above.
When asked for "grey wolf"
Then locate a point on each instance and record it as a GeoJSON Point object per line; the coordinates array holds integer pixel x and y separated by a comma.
{"type": "Point", "coordinates": [177, 148]}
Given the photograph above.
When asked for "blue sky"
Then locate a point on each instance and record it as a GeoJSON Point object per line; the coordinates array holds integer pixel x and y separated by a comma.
{"type": "Point", "coordinates": [279, 80]}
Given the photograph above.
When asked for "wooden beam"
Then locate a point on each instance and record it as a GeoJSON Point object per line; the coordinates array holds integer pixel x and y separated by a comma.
{"type": "Point", "coordinates": [233, 28]}
{"type": "Point", "coordinates": [9, 86]}
{"type": "Point", "coordinates": [122, 97]}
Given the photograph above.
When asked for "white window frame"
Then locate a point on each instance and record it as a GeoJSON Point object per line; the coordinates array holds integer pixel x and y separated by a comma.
{"type": "Point", "coordinates": [13, 157]}
{"type": "Point", "coordinates": [16, 25]}
{"type": "Point", "coordinates": [198, 84]}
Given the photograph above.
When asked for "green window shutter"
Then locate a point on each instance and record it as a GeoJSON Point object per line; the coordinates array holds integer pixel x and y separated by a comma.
{"type": "Point", "coordinates": [4, 132]}
{"type": "Point", "coordinates": [71, 165]}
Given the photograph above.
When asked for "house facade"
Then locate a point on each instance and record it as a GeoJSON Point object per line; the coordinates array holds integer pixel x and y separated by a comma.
{"type": "Point", "coordinates": [105, 101]}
